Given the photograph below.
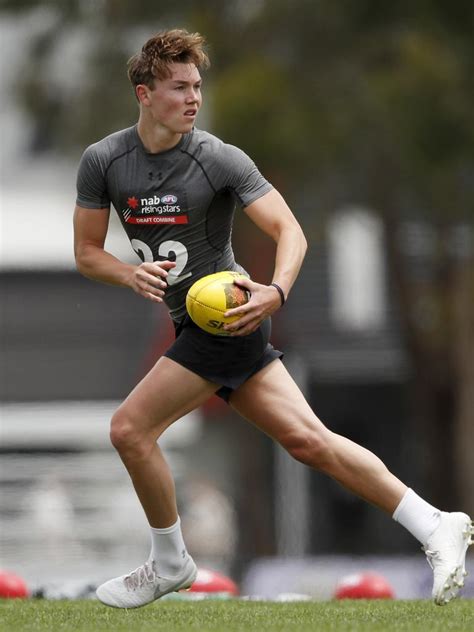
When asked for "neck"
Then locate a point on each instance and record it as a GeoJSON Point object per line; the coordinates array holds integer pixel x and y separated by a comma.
{"type": "Point", "coordinates": [156, 139]}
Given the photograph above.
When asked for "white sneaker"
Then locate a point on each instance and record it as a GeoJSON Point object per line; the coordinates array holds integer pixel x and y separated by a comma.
{"type": "Point", "coordinates": [144, 585]}
{"type": "Point", "coordinates": [446, 554]}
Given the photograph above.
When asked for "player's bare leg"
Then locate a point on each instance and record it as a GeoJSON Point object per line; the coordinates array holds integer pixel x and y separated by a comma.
{"type": "Point", "coordinates": [273, 402]}
{"type": "Point", "coordinates": [166, 394]}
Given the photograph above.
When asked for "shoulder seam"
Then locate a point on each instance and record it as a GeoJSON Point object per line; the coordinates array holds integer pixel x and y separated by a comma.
{"type": "Point", "coordinates": [184, 151]}
{"type": "Point", "coordinates": [119, 156]}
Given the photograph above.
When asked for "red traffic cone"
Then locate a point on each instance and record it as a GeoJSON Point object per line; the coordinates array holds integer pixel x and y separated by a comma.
{"type": "Point", "coordinates": [208, 581]}
{"type": "Point", "coordinates": [367, 585]}
{"type": "Point", "coordinates": [12, 586]}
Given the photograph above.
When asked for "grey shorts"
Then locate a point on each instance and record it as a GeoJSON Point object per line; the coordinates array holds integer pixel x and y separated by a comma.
{"type": "Point", "coordinates": [224, 360]}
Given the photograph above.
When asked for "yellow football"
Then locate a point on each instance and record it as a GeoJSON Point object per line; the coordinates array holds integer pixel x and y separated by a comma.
{"type": "Point", "coordinates": [211, 296]}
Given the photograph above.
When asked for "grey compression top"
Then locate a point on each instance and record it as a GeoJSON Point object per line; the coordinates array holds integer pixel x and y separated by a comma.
{"type": "Point", "coordinates": [176, 205]}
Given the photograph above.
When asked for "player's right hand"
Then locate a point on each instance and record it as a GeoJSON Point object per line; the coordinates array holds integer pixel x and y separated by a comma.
{"type": "Point", "coordinates": [149, 279]}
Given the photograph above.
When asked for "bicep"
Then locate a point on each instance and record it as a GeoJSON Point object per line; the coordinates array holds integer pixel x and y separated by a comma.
{"type": "Point", "coordinates": [90, 227]}
{"type": "Point", "coordinates": [271, 214]}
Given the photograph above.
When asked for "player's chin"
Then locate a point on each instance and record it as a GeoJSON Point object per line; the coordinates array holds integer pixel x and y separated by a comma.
{"type": "Point", "coordinates": [188, 124]}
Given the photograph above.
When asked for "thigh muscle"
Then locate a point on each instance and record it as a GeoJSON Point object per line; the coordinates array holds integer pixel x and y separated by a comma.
{"type": "Point", "coordinates": [273, 402]}
{"type": "Point", "coordinates": [167, 393]}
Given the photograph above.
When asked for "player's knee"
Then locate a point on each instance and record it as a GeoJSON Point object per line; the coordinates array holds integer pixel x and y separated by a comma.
{"type": "Point", "coordinates": [125, 437]}
{"type": "Point", "coordinates": [309, 446]}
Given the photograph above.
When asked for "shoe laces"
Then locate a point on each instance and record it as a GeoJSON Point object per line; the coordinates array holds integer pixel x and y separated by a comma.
{"type": "Point", "coordinates": [432, 557]}
{"type": "Point", "coordinates": [145, 574]}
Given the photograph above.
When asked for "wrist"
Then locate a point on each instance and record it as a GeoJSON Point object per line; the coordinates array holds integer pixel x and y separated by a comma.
{"type": "Point", "coordinates": [280, 292]}
{"type": "Point", "coordinates": [128, 278]}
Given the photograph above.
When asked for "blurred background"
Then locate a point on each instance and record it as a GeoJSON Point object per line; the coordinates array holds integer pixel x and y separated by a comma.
{"type": "Point", "coordinates": [361, 114]}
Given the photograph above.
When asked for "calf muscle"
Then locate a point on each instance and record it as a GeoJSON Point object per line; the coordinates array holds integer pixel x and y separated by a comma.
{"type": "Point", "coordinates": [272, 401]}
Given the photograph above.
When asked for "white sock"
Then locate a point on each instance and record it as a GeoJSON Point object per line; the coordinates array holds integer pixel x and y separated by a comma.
{"type": "Point", "coordinates": [417, 516]}
{"type": "Point", "coordinates": [168, 549]}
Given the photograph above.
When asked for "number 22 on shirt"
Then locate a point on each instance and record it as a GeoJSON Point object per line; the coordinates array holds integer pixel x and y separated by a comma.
{"type": "Point", "coordinates": [167, 249]}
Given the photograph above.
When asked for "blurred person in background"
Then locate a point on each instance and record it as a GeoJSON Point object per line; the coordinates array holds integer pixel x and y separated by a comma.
{"type": "Point", "coordinates": [174, 188]}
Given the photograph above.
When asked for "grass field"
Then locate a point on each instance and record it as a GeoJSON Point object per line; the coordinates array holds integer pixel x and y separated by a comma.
{"type": "Point", "coordinates": [233, 616]}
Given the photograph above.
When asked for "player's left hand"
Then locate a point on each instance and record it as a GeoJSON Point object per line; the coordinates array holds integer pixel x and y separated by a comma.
{"type": "Point", "coordinates": [264, 301]}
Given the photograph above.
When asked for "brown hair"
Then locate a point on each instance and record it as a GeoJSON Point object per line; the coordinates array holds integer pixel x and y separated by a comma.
{"type": "Point", "coordinates": [164, 48]}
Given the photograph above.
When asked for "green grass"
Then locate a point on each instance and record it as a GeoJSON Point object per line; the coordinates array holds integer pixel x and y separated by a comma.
{"type": "Point", "coordinates": [233, 616]}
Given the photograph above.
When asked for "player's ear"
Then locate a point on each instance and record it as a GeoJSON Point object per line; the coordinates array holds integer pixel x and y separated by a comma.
{"type": "Point", "coordinates": [143, 94]}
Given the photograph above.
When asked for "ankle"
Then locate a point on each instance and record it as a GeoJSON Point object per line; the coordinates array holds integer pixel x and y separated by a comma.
{"type": "Point", "coordinates": [168, 549]}
{"type": "Point", "coordinates": [417, 516]}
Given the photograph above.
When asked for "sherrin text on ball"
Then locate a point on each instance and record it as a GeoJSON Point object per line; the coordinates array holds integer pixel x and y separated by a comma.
{"type": "Point", "coordinates": [211, 296]}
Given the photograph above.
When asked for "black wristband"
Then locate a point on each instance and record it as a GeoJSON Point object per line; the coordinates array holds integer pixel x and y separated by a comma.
{"type": "Point", "coordinates": [280, 292]}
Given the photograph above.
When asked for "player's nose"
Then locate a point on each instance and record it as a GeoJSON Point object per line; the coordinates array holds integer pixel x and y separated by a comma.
{"type": "Point", "coordinates": [193, 97]}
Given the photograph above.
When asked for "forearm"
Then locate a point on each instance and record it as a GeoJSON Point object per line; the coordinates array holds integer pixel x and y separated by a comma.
{"type": "Point", "coordinates": [273, 216]}
{"type": "Point", "coordinates": [99, 265]}
{"type": "Point", "coordinates": [290, 253]}
{"type": "Point", "coordinates": [265, 300]}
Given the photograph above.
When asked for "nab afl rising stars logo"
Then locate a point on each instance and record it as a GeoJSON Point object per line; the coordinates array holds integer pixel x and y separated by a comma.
{"type": "Point", "coordinates": [154, 210]}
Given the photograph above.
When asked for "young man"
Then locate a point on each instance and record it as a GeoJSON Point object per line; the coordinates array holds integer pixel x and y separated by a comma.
{"type": "Point", "coordinates": [174, 188]}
